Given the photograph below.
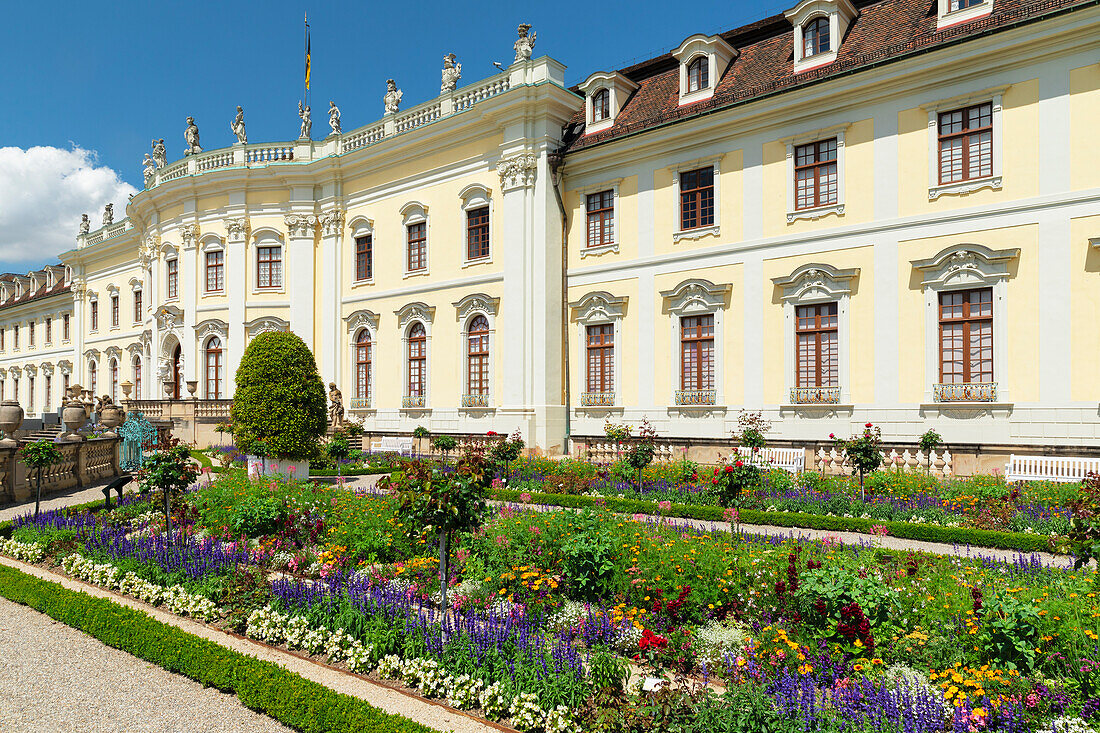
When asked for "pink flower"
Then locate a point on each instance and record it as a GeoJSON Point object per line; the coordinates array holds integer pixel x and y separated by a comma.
{"type": "Point", "coordinates": [731, 516]}
{"type": "Point", "coordinates": [664, 506]}
{"type": "Point", "coordinates": [880, 530]}
{"type": "Point", "coordinates": [832, 436]}
{"type": "Point", "coordinates": [639, 517]}
{"type": "Point", "coordinates": [498, 483]}
{"type": "Point", "coordinates": [525, 498]}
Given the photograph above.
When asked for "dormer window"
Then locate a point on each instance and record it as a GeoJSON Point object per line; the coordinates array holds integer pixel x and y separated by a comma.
{"type": "Point", "coordinates": [698, 78]}
{"type": "Point", "coordinates": [819, 27]}
{"type": "Point", "coordinates": [953, 12]}
{"type": "Point", "coordinates": [605, 94]}
{"type": "Point", "coordinates": [703, 61]}
{"type": "Point", "coordinates": [601, 105]}
{"type": "Point", "coordinates": [815, 37]}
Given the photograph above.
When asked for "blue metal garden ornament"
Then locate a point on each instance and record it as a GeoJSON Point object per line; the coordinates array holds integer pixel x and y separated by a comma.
{"type": "Point", "coordinates": [138, 435]}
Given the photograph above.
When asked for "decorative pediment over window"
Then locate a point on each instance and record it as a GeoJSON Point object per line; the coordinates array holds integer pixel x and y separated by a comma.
{"type": "Point", "coordinates": [211, 327]}
{"type": "Point", "coordinates": [476, 303]}
{"type": "Point", "coordinates": [266, 324]}
{"type": "Point", "coordinates": [362, 319]}
{"type": "Point", "coordinates": [112, 352]}
{"type": "Point", "coordinates": [598, 307]}
{"type": "Point", "coordinates": [31, 370]}
{"type": "Point", "coordinates": [168, 316]}
{"type": "Point", "coordinates": [361, 226]}
{"type": "Point", "coordinates": [815, 282]}
{"type": "Point", "coordinates": [703, 61]}
{"type": "Point", "coordinates": [65, 366]}
{"type": "Point", "coordinates": [46, 369]}
{"type": "Point", "coordinates": [819, 27]}
{"type": "Point", "coordinates": [696, 296]}
{"type": "Point", "coordinates": [605, 93]}
{"type": "Point", "coordinates": [135, 350]}
{"type": "Point", "coordinates": [962, 265]}
{"type": "Point", "coordinates": [414, 312]}
{"type": "Point", "coordinates": [414, 212]}
{"type": "Point", "coordinates": [90, 355]}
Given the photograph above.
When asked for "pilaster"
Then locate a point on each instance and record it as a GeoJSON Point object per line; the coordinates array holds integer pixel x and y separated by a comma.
{"type": "Point", "coordinates": [298, 274]}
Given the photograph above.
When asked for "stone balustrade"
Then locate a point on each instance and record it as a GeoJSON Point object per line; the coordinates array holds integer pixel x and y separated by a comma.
{"type": "Point", "coordinates": [83, 463]}
{"type": "Point", "coordinates": [938, 463]}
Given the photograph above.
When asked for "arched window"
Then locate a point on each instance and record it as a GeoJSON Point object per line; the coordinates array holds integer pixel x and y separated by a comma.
{"type": "Point", "coordinates": [137, 377]}
{"type": "Point", "coordinates": [214, 368]}
{"type": "Point", "coordinates": [418, 358]}
{"type": "Point", "coordinates": [601, 105]}
{"type": "Point", "coordinates": [477, 356]}
{"type": "Point", "coordinates": [91, 377]}
{"type": "Point", "coordinates": [815, 37]}
{"type": "Point", "coordinates": [114, 379]}
{"type": "Point", "coordinates": [362, 366]}
{"type": "Point", "coordinates": [698, 74]}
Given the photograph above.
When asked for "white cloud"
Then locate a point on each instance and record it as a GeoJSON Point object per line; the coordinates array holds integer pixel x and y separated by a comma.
{"type": "Point", "coordinates": [43, 192]}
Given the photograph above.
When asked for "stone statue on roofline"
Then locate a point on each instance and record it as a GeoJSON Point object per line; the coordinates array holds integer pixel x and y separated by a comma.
{"type": "Point", "coordinates": [108, 215]}
{"type": "Point", "coordinates": [525, 43]}
{"type": "Point", "coordinates": [306, 114]}
{"type": "Point", "coordinates": [237, 126]}
{"type": "Point", "coordinates": [160, 153]}
{"type": "Point", "coordinates": [391, 100]}
{"type": "Point", "coordinates": [336, 407]}
{"type": "Point", "coordinates": [85, 224]}
{"type": "Point", "coordinates": [334, 118]}
{"type": "Point", "coordinates": [148, 169]}
{"type": "Point", "coordinates": [191, 137]}
{"type": "Point", "coordinates": [452, 72]}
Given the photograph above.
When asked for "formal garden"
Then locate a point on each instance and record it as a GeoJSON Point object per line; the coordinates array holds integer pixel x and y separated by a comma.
{"type": "Point", "coordinates": [557, 595]}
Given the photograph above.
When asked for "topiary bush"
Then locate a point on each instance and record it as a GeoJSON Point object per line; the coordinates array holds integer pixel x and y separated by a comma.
{"type": "Point", "coordinates": [280, 399]}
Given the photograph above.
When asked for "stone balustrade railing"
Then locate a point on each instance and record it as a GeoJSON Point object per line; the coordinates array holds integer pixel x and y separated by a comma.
{"type": "Point", "coordinates": [82, 464]}
{"type": "Point", "coordinates": [148, 408]}
{"type": "Point", "coordinates": [938, 463]}
{"type": "Point", "coordinates": [213, 408]}
{"type": "Point", "coordinates": [604, 454]}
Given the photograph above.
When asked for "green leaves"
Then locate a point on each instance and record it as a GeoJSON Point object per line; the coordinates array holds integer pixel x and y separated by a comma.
{"type": "Point", "coordinates": [40, 454]}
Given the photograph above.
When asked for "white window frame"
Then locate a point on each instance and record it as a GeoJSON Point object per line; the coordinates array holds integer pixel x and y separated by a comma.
{"type": "Point", "coordinates": [267, 237]}
{"type": "Point", "coordinates": [946, 18]}
{"type": "Point", "coordinates": [406, 317]}
{"type": "Point", "coordinates": [619, 88]}
{"type": "Point", "coordinates": [137, 286]}
{"type": "Point", "coordinates": [613, 186]}
{"type": "Point", "coordinates": [714, 229]}
{"type": "Point", "coordinates": [415, 212]}
{"type": "Point", "coordinates": [794, 141]}
{"type": "Point", "coordinates": [815, 284]}
{"type": "Point", "coordinates": [223, 382]}
{"type": "Point", "coordinates": [719, 54]}
{"type": "Point", "coordinates": [214, 244]}
{"type": "Point", "coordinates": [600, 308]}
{"type": "Point", "coordinates": [474, 196]}
{"type": "Point", "coordinates": [966, 267]}
{"type": "Point", "coordinates": [961, 188]}
{"type": "Point", "coordinates": [697, 297]}
{"type": "Point", "coordinates": [840, 14]}
{"type": "Point", "coordinates": [363, 320]}
{"type": "Point", "coordinates": [93, 304]}
{"type": "Point", "coordinates": [112, 294]}
{"type": "Point", "coordinates": [466, 310]}
{"type": "Point", "coordinates": [170, 253]}
{"type": "Point", "coordinates": [361, 226]}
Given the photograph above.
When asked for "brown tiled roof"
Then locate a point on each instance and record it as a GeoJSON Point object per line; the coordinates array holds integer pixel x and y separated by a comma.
{"type": "Point", "coordinates": [884, 31]}
{"type": "Point", "coordinates": [42, 292]}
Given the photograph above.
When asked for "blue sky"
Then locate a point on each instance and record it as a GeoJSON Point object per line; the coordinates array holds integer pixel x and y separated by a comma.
{"type": "Point", "coordinates": [88, 85]}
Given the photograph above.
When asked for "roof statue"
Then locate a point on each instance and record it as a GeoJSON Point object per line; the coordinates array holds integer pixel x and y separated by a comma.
{"type": "Point", "coordinates": [525, 43]}
{"type": "Point", "coordinates": [334, 118]}
{"type": "Point", "coordinates": [237, 126]}
{"type": "Point", "coordinates": [160, 154]}
{"type": "Point", "coordinates": [148, 169]}
{"type": "Point", "coordinates": [85, 225]}
{"type": "Point", "coordinates": [392, 98]}
{"type": "Point", "coordinates": [108, 214]}
{"type": "Point", "coordinates": [191, 137]}
{"type": "Point", "coordinates": [452, 72]}
{"type": "Point", "coordinates": [306, 131]}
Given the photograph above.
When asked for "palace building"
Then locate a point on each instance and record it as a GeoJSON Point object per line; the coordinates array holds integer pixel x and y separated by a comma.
{"type": "Point", "coordinates": [852, 212]}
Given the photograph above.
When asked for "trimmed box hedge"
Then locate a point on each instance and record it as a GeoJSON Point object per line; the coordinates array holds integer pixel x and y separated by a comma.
{"type": "Point", "coordinates": [795, 520]}
{"type": "Point", "coordinates": [264, 686]}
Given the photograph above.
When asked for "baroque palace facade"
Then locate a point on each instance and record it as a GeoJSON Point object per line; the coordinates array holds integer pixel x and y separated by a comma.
{"type": "Point", "coordinates": [880, 211]}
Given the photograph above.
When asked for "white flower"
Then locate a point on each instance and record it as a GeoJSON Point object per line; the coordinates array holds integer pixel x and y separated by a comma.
{"type": "Point", "coordinates": [389, 667]}
{"type": "Point", "coordinates": [463, 692]}
{"type": "Point", "coordinates": [558, 720]}
{"type": "Point", "coordinates": [493, 701]}
{"type": "Point", "coordinates": [26, 551]}
{"type": "Point", "coordinates": [526, 713]}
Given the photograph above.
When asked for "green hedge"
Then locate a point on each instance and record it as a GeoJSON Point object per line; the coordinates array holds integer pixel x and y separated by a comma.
{"type": "Point", "coordinates": [795, 520]}
{"type": "Point", "coordinates": [265, 686]}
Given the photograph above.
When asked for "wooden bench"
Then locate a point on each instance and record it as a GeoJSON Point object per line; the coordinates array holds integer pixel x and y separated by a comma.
{"type": "Point", "coordinates": [791, 460]}
{"type": "Point", "coordinates": [117, 485]}
{"type": "Point", "coordinates": [1050, 468]}
{"type": "Point", "coordinates": [403, 446]}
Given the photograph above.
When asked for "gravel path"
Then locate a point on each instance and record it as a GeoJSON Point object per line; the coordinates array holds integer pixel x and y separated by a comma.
{"type": "Point", "coordinates": [56, 501]}
{"type": "Point", "coordinates": [55, 678]}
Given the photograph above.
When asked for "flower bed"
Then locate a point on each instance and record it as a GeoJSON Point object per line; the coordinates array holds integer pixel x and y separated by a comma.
{"type": "Point", "coordinates": [546, 610]}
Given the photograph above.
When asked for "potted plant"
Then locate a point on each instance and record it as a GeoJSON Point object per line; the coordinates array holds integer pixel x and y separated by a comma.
{"type": "Point", "coordinates": [37, 456]}
{"type": "Point", "coordinates": [279, 407]}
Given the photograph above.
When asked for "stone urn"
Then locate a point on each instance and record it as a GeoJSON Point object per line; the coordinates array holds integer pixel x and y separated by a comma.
{"type": "Point", "coordinates": [169, 389]}
{"type": "Point", "coordinates": [111, 416]}
{"type": "Point", "coordinates": [127, 387]}
{"type": "Point", "coordinates": [192, 386]}
{"type": "Point", "coordinates": [73, 416]}
{"type": "Point", "coordinates": [11, 417]}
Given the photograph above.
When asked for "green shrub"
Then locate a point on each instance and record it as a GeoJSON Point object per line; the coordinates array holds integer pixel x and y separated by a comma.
{"type": "Point", "coordinates": [265, 686]}
{"type": "Point", "coordinates": [257, 516]}
{"type": "Point", "coordinates": [280, 400]}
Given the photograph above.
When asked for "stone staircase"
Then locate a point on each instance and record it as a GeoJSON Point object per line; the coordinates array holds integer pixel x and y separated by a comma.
{"type": "Point", "coordinates": [48, 432]}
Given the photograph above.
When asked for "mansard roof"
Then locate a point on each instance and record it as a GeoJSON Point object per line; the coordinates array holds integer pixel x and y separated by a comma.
{"type": "Point", "coordinates": [884, 30]}
{"type": "Point", "coordinates": [43, 290]}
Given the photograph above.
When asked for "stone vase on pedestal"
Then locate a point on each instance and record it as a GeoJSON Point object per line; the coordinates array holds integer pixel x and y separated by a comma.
{"type": "Point", "coordinates": [192, 385]}
{"type": "Point", "coordinates": [111, 416]}
{"type": "Point", "coordinates": [11, 417]}
{"type": "Point", "coordinates": [73, 416]}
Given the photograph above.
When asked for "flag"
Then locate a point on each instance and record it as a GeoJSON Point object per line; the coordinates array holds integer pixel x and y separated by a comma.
{"type": "Point", "coordinates": [307, 57]}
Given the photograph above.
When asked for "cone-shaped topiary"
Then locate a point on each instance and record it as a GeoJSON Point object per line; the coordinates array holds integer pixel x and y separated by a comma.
{"type": "Point", "coordinates": [279, 406]}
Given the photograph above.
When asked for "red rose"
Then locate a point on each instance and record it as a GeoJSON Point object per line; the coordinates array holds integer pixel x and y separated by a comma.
{"type": "Point", "coordinates": [729, 469]}
{"type": "Point", "coordinates": [832, 436]}
{"type": "Point", "coordinates": [867, 425]}
{"type": "Point", "coordinates": [740, 464]}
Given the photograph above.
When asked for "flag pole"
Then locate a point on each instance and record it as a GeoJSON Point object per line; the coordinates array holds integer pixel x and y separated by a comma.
{"type": "Point", "coordinates": [305, 42]}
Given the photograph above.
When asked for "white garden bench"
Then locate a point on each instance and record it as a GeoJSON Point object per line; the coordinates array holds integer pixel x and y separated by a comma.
{"type": "Point", "coordinates": [1050, 468]}
{"type": "Point", "coordinates": [404, 446]}
{"type": "Point", "coordinates": [791, 460]}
